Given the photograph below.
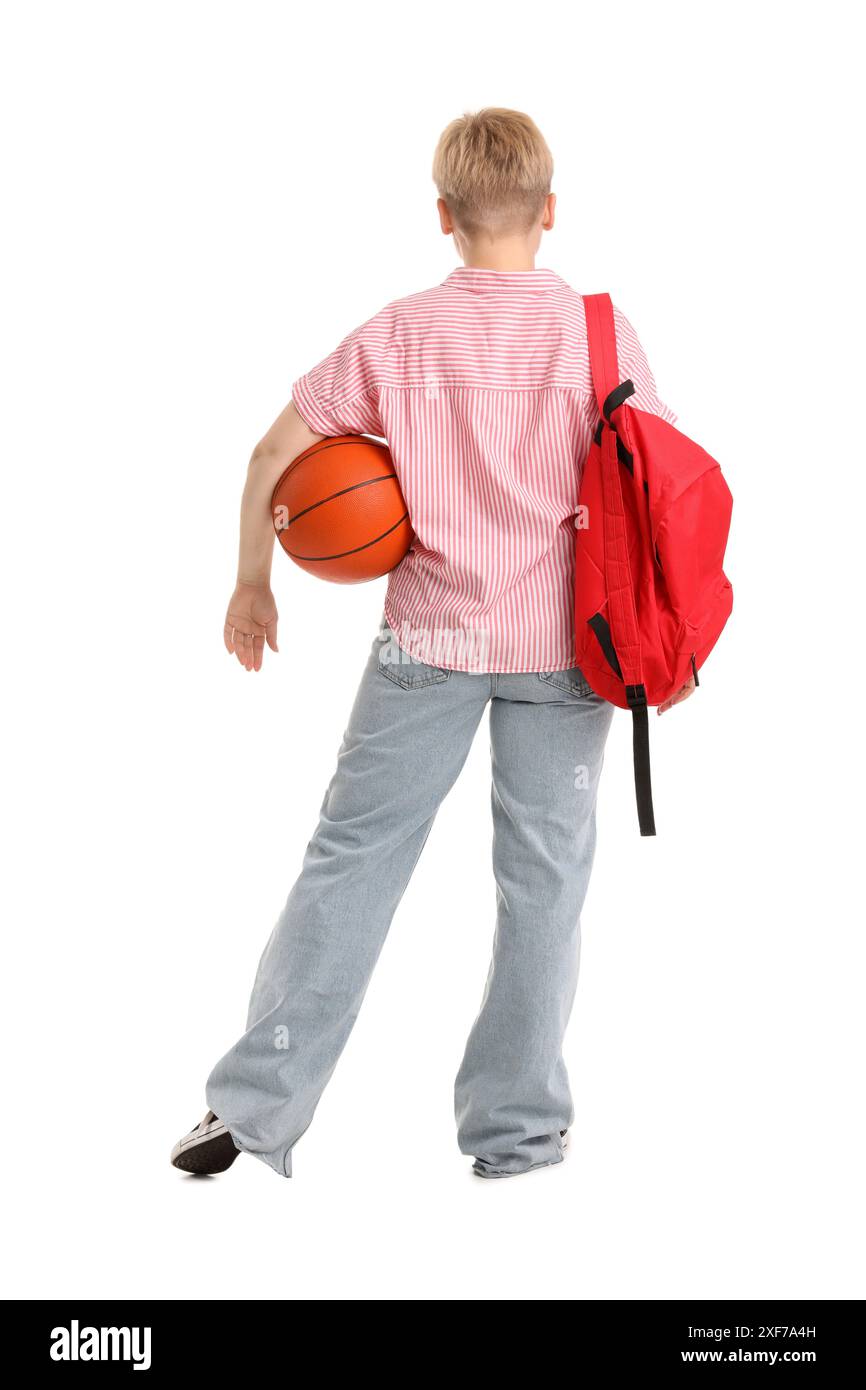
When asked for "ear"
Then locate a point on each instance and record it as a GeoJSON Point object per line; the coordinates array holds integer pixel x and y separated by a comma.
{"type": "Point", "coordinates": [548, 217]}
{"type": "Point", "coordinates": [445, 221]}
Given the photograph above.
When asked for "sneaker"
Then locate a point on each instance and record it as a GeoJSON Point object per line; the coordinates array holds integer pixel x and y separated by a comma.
{"type": "Point", "coordinates": [209, 1148]}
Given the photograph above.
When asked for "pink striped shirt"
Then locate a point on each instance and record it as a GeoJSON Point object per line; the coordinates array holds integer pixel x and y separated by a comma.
{"type": "Point", "coordinates": [481, 387]}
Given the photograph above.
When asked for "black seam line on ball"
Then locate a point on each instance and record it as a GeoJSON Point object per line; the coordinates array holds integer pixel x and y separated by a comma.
{"type": "Point", "coordinates": [342, 492]}
{"type": "Point", "coordinates": [319, 559]}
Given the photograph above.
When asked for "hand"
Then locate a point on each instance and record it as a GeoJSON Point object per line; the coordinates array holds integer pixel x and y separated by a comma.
{"type": "Point", "coordinates": [682, 694]}
{"type": "Point", "coordinates": [251, 621]}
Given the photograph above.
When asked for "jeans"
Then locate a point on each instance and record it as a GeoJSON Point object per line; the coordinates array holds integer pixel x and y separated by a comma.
{"type": "Point", "coordinates": [408, 736]}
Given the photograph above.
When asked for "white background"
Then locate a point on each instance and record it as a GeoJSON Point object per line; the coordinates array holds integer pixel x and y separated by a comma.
{"type": "Point", "coordinates": [202, 199]}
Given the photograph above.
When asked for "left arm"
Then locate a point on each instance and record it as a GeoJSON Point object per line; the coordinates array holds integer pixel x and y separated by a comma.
{"type": "Point", "coordinates": [251, 619]}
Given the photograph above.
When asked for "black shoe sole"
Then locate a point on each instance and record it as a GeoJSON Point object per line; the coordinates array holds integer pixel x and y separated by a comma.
{"type": "Point", "coordinates": [210, 1156]}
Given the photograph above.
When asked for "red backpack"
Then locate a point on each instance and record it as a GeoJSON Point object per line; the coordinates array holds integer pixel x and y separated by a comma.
{"type": "Point", "coordinates": [651, 597]}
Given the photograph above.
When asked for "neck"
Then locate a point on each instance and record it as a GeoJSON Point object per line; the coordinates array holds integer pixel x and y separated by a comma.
{"type": "Point", "coordinates": [505, 253]}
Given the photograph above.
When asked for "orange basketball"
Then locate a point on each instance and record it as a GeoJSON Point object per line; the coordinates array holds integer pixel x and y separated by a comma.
{"type": "Point", "coordinates": [339, 512]}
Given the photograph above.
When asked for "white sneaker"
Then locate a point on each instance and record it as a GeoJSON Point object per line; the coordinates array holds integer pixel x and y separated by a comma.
{"type": "Point", "coordinates": [209, 1148]}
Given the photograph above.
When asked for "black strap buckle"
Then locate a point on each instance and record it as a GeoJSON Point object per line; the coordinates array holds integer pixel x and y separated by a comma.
{"type": "Point", "coordinates": [616, 397]}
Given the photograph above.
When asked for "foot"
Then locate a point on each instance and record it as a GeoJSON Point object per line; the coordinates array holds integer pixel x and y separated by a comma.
{"type": "Point", "coordinates": [209, 1148]}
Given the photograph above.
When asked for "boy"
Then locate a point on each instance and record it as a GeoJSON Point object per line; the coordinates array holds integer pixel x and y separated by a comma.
{"type": "Point", "coordinates": [482, 388]}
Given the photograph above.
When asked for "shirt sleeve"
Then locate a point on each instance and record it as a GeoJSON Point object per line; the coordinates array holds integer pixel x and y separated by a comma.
{"type": "Point", "coordinates": [633, 366]}
{"type": "Point", "coordinates": [340, 395]}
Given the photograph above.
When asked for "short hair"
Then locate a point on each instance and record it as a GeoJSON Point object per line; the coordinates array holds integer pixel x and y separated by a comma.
{"type": "Point", "coordinates": [493, 169]}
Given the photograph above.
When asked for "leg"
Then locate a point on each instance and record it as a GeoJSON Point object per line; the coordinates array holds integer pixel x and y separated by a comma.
{"type": "Point", "coordinates": [512, 1094]}
{"type": "Point", "coordinates": [408, 736]}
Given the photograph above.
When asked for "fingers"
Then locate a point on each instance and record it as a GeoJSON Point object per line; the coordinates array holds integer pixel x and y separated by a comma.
{"type": "Point", "coordinates": [251, 621]}
{"type": "Point", "coordinates": [241, 645]}
{"type": "Point", "coordinates": [682, 694]}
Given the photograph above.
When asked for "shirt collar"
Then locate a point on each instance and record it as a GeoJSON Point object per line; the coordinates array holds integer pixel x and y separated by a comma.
{"type": "Point", "coordinates": [477, 281]}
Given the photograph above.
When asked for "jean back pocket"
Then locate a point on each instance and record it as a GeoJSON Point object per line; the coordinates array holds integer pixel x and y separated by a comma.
{"type": "Point", "coordinates": [571, 681]}
{"type": "Point", "coordinates": [405, 671]}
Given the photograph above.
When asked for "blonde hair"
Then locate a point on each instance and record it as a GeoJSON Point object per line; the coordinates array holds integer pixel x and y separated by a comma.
{"type": "Point", "coordinates": [493, 169]}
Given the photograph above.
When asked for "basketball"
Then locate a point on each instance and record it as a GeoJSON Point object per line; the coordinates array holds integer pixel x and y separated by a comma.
{"type": "Point", "coordinates": [339, 513]}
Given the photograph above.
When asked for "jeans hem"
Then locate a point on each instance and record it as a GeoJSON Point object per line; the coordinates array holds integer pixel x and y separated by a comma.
{"type": "Point", "coordinates": [483, 1170]}
{"type": "Point", "coordinates": [281, 1166]}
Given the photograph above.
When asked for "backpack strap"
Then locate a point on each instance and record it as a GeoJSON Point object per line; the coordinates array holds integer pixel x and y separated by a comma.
{"type": "Point", "coordinates": [601, 335]}
{"type": "Point", "coordinates": [623, 634]}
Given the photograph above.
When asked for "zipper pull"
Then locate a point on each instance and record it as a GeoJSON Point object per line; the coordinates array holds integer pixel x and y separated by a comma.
{"type": "Point", "coordinates": [695, 671]}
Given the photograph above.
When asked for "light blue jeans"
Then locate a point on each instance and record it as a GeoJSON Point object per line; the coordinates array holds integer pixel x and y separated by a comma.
{"type": "Point", "coordinates": [409, 733]}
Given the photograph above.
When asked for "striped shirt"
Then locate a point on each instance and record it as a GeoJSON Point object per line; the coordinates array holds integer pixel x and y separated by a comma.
{"type": "Point", "coordinates": [481, 387]}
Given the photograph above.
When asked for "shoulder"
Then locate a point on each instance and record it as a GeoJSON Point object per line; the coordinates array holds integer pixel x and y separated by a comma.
{"type": "Point", "coordinates": [412, 307]}
{"type": "Point", "coordinates": [570, 306]}
{"type": "Point", "coordinates": [623, 323]}
{"type": "Point", "coordinates": [628, 343]}
{"type": "Point", "coordinates": [382, 329]}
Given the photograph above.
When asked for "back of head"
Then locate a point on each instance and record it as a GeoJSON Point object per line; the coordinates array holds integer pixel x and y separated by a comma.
{"type": "Point", "coordinates": [493, 169]}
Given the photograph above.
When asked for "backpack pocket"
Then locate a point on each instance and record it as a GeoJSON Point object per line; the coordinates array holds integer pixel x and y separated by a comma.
{"type": "Point", "coordinates": [689, 541]}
